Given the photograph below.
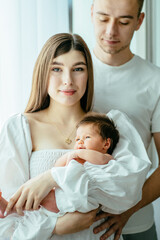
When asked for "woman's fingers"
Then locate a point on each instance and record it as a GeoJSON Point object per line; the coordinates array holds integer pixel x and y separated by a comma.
{"type": "Point", "coordinates": [29, 203]}
{"type": "Point", "coordinates": [36, 204]}
{"type": "Point", "coordinates": [12, 202]}
{"type": "Point", "coordinates": [31, 193]}
{"type": "Point", "coordinates": [19, 209]}
{"type": "Point", "coordinates": [20, 203]}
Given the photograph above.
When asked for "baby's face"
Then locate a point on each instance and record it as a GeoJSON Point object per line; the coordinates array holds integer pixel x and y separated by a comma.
{"type": "Point", "coordinates": [88, 137]}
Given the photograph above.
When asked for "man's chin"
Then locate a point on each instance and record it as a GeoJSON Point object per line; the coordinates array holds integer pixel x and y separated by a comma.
{"type": "Point", "coordinates": [112, 51]}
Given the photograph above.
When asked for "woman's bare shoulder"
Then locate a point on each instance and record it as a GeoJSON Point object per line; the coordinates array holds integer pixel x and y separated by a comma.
{"type": "Point", "coordinates": [35, 116]}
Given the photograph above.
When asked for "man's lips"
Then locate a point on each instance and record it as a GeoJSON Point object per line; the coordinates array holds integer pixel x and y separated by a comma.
{"type": "Point", "coordinates": [111, 42]}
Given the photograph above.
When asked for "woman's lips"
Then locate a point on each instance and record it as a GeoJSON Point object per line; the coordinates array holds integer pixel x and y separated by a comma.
{"type": "Point", "coordinates": [68, 92]}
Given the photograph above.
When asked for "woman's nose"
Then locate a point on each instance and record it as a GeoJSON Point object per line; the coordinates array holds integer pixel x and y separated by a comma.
{"type": "Point", "coordinates": [67, 78]}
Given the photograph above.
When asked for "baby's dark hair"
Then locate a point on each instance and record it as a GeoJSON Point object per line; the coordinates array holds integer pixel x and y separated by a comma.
{"type": "Point", "coordinates": [106, 126]}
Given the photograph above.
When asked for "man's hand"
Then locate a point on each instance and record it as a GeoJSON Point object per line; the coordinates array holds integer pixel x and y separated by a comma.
{"type": "Point", "coordinates": [114, 224]}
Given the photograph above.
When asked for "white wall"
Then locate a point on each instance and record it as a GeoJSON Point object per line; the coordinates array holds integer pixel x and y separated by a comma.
{"type": "Point", "coordinates": [156, 32]}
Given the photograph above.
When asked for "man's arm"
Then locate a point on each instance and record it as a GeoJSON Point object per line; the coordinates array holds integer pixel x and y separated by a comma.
{"type": "Point", "coordinates": [150, 192]}
{"type": "Point", "coordinates": [115, 223]}
{"type": "Point", "coordinates": [156, 137]}
{"type": "Point", "coordinates": [151, 188]}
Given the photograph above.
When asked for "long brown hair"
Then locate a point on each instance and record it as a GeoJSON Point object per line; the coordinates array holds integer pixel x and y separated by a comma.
{"type": "Point", "coordinates": [55, 46]}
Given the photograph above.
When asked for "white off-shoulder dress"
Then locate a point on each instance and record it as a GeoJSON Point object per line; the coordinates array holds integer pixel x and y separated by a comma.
{"type": "Point", "coordinates": [117, 186]}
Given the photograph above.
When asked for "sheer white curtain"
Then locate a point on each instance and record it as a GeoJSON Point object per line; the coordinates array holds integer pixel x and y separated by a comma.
{"type": "Point", "coordinates": [82, 23]}
{"type": "Point", "coordinates": [25, 25]}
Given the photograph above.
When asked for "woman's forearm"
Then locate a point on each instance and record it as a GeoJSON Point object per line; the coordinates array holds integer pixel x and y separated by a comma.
{"type": "Point", "coordinates": [74, 222]}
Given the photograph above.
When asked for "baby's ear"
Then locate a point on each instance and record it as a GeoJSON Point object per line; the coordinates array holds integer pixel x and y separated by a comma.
{"type": "Point", "coordinates": [107, 144]}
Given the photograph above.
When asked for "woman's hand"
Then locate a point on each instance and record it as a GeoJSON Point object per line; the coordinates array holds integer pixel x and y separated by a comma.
{"type": "Point", "coordinates": [31, 193]}
{"type": "Point", "coordinates": [114, 224]}
{"type": "Point", "coordinates": [74, 222]}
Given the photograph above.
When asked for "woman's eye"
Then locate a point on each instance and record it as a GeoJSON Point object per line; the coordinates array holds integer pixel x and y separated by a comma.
{"type": "Point", "coordinates": [78, 69]}
{"type": "Point", "coordinates": [56, 69]}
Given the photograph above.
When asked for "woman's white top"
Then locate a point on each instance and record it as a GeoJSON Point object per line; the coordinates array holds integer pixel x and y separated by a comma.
{"type": "Point", "coordinates": [117, 185]}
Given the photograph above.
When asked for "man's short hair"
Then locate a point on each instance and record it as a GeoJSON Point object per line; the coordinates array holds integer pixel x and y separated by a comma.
{"type": "Point", "coordinates": [140, 3]}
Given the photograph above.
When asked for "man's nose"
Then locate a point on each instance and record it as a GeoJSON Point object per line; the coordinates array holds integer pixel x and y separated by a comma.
{"type": "Point", "coordinates": [112, 28]}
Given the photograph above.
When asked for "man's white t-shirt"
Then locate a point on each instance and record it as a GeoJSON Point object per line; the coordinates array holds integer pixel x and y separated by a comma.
{"type": "Point", "coordinates": [133, 88]}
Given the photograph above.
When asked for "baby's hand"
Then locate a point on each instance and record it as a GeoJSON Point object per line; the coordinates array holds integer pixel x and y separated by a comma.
{"type": "Point", "coordinates": [70, 156]}
{"type": "Point", "coordinates": [74, 155]}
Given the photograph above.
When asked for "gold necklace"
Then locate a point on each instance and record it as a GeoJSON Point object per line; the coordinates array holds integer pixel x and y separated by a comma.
{"type": "Point", "coordinates": [68, 139]}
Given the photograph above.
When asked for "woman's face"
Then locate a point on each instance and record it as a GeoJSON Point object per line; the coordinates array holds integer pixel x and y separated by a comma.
{"type": "Point", "coordinates": [68, 78]}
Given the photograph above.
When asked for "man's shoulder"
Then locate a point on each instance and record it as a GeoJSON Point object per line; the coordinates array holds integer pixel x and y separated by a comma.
{"type": "Point", "coordinates": [146, 64]}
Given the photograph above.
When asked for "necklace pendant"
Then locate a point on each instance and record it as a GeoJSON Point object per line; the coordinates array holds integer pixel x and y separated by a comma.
{"type": "Point", "coordinates": [68, 141]}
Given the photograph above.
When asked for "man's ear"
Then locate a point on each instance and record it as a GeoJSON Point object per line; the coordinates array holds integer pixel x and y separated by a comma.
{"type": "Point", "coordinates": [140, 20]}
{"type": "Point", "coordinates": [107, 144]}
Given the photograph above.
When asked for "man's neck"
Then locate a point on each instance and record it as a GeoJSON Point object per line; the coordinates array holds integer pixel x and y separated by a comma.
{"type": "Point", "coordinates": [116, 59]}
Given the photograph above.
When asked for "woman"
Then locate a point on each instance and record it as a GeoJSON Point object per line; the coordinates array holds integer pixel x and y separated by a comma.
{"type": "Point", "coordinates": [61, 95]}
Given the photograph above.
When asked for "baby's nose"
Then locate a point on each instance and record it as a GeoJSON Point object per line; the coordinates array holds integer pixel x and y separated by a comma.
{"type": "Point", "coordinates": [81, 141]}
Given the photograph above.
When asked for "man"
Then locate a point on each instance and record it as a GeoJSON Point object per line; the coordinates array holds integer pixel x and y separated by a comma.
{"type": "Point", "coordinates": [126, 82]}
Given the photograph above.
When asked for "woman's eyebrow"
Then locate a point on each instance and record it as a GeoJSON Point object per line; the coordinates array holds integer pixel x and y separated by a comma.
{"type": "Point", "coordinates": [57, 63]}
{"type": "Point", "coordinates": [79, 63]}
{"type": "Point", "coordinates": [75, 64]}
